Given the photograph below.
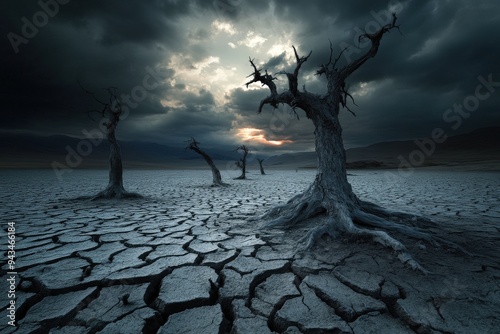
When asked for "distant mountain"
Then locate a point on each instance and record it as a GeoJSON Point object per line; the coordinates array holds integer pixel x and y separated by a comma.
{"type": "Point", "coordinates": [480, 145]}
{"type": "Point", "coordinates": [21, 150]}
{"type": "Point", "coordinates": [41, 151]}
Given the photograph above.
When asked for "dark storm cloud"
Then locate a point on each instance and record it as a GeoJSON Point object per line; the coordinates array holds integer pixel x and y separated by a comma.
{"type": "Point", "coordinates": [435, 62]}
{"type": "Point", "coordinates": [87, 41]}
{"type": "Point", "coordinates": [401, 93]}
{"type": "Point", "coordinates": [274, 62]}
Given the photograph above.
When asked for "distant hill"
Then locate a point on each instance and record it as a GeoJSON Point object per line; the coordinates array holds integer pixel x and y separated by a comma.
{"type": "Point", "coordinates": [31, 151]}
{"type": "Point", "coordinates": [40, 151]}
{"type": "Point", "coordinates": [481, 145]}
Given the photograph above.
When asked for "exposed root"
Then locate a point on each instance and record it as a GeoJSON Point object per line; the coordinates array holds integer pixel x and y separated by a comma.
{"type": "Point", "coordinates": [380, 237]}
{"type": "Point", "coordinates": [296, 210]}
{"type": "Point", "coordinates": [219, 184]}
{"type": "Point", "coordinates": [313, 235]}
{"type": "Point", "coordinates": [372, 220]}
{"type": "Point", "coordinates": [347, 219]}
{"type": "Point", "coordinates": [302, 212]}
{"type": "Point", "coordinates": [115, 192]}
{"type": "Point", "coordinates": [379, 211]}
{"type": "Point", "coordinates": [278, 209]}
{"type": "Point", "coordinates": [386, 240]}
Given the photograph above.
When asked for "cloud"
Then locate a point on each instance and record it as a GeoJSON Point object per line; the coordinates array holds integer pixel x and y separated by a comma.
{"type": "Point", "coordinates": [201, 49]}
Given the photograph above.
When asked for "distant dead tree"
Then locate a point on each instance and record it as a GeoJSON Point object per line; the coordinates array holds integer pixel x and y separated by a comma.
{"type": "Point", "coordinates": [110, 115]}
{"type": "Point", "coordinates": [330, 198]}
{"type": "Point", "coordinates": [242, 162]}
{"type": "Point", "coordinates": [217, 179]}
{"type": "Point", "coordinates": [260, 165]}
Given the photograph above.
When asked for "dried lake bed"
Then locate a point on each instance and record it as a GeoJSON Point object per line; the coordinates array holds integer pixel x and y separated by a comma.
{"type": "Point", "coordinates": [185, 259]}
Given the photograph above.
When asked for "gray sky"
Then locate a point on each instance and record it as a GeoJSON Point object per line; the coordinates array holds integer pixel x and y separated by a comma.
{"type": "Point", "coordinates": [183, 65]}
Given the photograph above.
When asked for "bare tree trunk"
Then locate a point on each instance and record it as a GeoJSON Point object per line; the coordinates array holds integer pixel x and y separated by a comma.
{"type": "Point", "coordinates": [261, 167]}
{"type": "Point", "coordinates": [115, 186]}
{"type": "Point", "coordinates": [242, 163]}
{"type": "Point", "coordinates": [217, 179]}
{"type": "Point", "coordinates": [330, 192]}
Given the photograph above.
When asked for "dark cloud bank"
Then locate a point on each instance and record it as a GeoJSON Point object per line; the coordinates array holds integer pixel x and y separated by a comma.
{"type": "Point", "coordinates": [446, 50]}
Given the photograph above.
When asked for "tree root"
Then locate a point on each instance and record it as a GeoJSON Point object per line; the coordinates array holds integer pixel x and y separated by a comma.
{"type": "Point", "coordinates": [115, 192]}
{"type": "Point", "coordinates": [415, 220]}
{"type": "Point", "coordinates": [346, 220]}
{"type": "Point", "coordinates": [297, 209]}
{"type": "Point", "coordinates": [219, 184]}
{"type": "Point", "coordinates": [364, 218]}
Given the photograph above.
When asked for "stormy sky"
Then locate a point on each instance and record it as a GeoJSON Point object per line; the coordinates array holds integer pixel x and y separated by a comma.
{"type": "Point", "coordinates": [180, 67]}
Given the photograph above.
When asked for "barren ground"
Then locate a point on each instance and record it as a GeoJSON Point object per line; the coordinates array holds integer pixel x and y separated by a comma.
{"type": "Point", "coordinates": [185, 260]}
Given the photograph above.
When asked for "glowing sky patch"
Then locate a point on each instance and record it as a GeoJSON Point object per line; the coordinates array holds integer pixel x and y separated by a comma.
{"type": "Point", "coordinates": [258, 135]}
{"type": "Point", "coordinates": [226, 27]}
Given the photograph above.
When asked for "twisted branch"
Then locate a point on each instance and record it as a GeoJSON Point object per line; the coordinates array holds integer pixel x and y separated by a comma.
{"type": "Point", "coordinates": [375, 39]}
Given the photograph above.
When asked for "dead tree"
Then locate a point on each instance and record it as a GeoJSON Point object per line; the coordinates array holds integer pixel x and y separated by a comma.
{"type": "Point", "coordinates": [330, 198]}
{"type": "Point", "coordinates": [260, 165]}
{"type": "Point", "coordinates": [217, 179]}
{"type": "Point", "coordinates": [242, 162]}
{"type": "Point", "coordinates": [110, 115]}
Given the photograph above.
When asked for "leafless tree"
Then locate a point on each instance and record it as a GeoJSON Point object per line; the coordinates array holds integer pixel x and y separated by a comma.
{"type": "Point", "coordinates": [110, 116]}
{"type": "Point", "coordinates": [217, 179]}
{"type": "Point", "coordinates": [242, 162]}
{"type": "Point", "coordinates": [330, 198]}
{"type": "Point", "coordinates": [260, 165]}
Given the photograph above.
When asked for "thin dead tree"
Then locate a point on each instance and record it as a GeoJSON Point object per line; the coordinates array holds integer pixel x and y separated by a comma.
{"type": "Point", "coordinates": [330, 198]}
{"type": "Point", "coordinates": [110, 115]}
{"type": "Point", "coordinates": [217, 179]}
{"type": "Point", "coordinates": [260, 165]}
{"type": "Point", "coordinates": [242, 162]}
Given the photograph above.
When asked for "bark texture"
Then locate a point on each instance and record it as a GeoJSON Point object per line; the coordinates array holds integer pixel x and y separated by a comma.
{"type": "Point", "coordinates": [330, 198]}
{"type": "Point", "coordinates": [217, 179]}
{"type": "Point", "coordinates": [111, 112]}
{"type": "Point", "coordinates": [242, 163]}
{"type": "Point", "coordinates": [261, 167]}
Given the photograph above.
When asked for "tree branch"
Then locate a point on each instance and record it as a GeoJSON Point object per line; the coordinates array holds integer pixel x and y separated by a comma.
{"type": "Point", "coordinates": [243, 148]}
{"type": "Point", "coordinates": [112, 109]}
{"type": "Point", "coordinates": [265, 79]}
{"type": "Point", "coordinates": [344, 94]}
{"type": "Point", "coordinates": [192, 144]}
{"type": "Point", "coordinates": [293, 77]}
{"type": "Point", "coordinates": [375, 39]}
{"type": "Point", "coordinates": [91, 94]}
{"type": "Point", "coordinates": [289, 97]}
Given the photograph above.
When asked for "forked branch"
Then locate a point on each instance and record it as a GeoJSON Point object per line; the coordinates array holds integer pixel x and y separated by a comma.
{"type": "Point", "coordinates": [192, 144]}
{"type": "Point", "coordinates": [266, 79]}
{"type": "Point", "coordinates": [375, 39]}
{"type": "Point", "coordinates": [290, 97]}
{"type": "Point", "coordinates": [293, 77]}
{"type": "Point", "coordinates": [111, 110]}
{"type": "Point", "coordinates": [325, 68]}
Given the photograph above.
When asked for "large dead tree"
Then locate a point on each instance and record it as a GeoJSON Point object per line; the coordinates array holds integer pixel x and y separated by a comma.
{"type": "Point", "coordinates": [330, 198]}
{"type": "Point", "coordinates": [260, 165]}
{"type": "Point", "coordinates": [110, 114]}
{"type": "Point", "coordinates": [217, 179]}
{"type": "Point", "coordinates": [242, 162]}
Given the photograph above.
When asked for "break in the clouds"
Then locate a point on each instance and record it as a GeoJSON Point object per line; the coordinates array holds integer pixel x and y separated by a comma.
{"type": "Point", "coordinates": [181, 67]}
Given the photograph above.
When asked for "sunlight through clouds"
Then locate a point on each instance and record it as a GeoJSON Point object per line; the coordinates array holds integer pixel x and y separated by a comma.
{"type": "Point", "coordinates": [224, 27]}
{"type": "Point", "coordinates": [252, 40]}
{"type": "Point", "coordinates": [258, 135]}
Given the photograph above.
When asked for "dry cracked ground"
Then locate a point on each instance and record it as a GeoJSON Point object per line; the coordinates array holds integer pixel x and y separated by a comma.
{"type": "Point", "coordinates": [185, 259]}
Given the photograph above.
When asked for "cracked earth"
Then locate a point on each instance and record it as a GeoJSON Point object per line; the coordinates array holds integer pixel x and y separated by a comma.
{"type": "Point", "coordinates": [185, 259]}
